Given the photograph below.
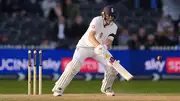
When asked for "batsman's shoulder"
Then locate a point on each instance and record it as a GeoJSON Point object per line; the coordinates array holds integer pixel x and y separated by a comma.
{"type": "Point", "coordinates": [115, 25]}
{"type": "Point", "coordinates": [97, 18]}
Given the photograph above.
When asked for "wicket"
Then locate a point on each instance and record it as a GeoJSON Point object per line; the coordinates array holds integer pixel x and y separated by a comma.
{"type": "Point", "coordinates": [34, 72]}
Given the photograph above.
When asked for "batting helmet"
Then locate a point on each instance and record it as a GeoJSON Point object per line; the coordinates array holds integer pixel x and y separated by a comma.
{"type": "Point", "coordinates": [109, 11]}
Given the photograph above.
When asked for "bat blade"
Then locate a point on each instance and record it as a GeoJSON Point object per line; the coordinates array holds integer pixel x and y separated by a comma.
{"type": "Point", "coordinates": [122, 71]}
{"type": "Point", "coordinates": [118, 67]}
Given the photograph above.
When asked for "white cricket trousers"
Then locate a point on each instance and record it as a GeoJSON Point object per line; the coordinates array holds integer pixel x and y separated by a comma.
{"type": "Point", "coordinates": [74, 65]}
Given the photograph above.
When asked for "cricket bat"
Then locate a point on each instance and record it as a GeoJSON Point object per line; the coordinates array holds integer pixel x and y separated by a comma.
{"type": "Point", "coordinates": [118, 67]}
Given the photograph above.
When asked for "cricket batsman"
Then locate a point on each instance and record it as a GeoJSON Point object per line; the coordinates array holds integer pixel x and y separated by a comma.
{"type": "Point", "coordinates": [93, 44]}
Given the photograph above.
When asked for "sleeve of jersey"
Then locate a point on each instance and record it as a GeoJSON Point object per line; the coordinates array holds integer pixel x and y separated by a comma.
{"type": "Point", "coordinates": [112, 35]}
{"type": "Point", "coordinates": [94, 25]}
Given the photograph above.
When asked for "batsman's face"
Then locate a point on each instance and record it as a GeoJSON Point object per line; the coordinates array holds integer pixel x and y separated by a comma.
{"type": "Point", "coordinates": [109, 19]}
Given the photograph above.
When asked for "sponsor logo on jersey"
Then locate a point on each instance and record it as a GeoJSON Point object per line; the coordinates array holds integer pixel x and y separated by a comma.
{"type": "Point", "coordinates": [100, 36]}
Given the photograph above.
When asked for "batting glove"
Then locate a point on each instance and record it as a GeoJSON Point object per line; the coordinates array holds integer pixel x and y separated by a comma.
{"type": "Point", "coordinates": [100, 50]}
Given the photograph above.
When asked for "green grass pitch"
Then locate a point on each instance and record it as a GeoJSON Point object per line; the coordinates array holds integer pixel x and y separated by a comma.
{"type": "Point", "coordinates": [79, 86]}
{"type": "Point", "coordinates": [78, 90]}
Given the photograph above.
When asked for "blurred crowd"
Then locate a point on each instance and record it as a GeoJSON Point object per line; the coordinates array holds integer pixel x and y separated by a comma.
{"type": "Point", "coordinates": [61, 23]}
{"type": "Point", "coordinates": [164, 35]}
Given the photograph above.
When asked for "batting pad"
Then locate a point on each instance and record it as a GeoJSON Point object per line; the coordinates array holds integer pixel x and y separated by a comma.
{"type": "Point", "coordinates": [109, 77]}
{"type": "Point", "coordinates": [71, 70]}
{"type": "Point", "coordinates": [107, 82]}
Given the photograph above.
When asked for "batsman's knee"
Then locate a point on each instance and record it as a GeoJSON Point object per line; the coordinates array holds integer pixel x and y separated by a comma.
{"type": "Point", "coordinates": [73, 66]}
{"type": "Point", "coordinates": [111, 71]}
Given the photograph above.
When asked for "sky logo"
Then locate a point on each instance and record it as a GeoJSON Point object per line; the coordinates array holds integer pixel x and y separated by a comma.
{"type": "Point", "coordinates": [154, 65]}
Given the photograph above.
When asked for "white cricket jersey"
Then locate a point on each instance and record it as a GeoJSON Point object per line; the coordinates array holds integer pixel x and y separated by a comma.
{"type": "Point", "coordinates": [102, 33]}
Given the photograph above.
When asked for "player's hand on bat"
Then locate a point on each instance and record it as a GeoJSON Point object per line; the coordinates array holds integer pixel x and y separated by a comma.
{"type": "Point", "coordinates": [100, 50]}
